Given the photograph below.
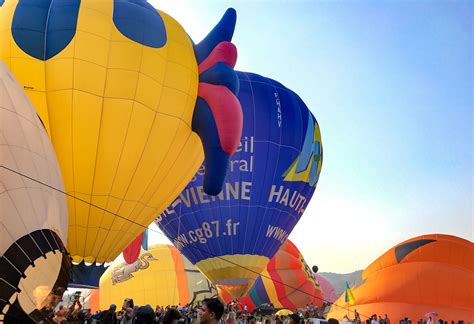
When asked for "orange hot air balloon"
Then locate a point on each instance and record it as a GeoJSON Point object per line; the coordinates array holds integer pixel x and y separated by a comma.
{"type": "Point", "coordinates": [287, 282]}
{"type": "Point", "coordinates": [428, 273]}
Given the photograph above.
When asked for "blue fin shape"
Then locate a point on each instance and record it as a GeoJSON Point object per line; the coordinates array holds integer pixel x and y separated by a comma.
{"type": "Point", "coordinates": [2, 2]}
{"type": "Point", "coordinates": [223, 31]}
{"type": "Point", "coordinates": [216, 160]}
{"type": "Point", "coordinates": [221, 74]}
{"type": "Point", "coordinates": [140, 22]}
{"type": "Point", "coordinates": [42, 29]}
{"type": "Point", "coordinates": [307, 150]}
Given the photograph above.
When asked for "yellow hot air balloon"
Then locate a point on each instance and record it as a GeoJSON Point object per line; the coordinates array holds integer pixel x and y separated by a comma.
{"type": "Point", "coordinates": [160, 276]}
{"type": "Point", "coordinates": [115, 84]}
{"type": "Point", "coordinates": [34, 265]}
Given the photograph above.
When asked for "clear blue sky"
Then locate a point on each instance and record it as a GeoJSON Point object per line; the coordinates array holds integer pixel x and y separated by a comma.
{"type": "Point", "coordinates": [391, 84]}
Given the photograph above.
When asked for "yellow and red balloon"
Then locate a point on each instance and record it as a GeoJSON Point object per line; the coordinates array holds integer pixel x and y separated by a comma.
{"type": "Point", "coordinates": [287, 282]}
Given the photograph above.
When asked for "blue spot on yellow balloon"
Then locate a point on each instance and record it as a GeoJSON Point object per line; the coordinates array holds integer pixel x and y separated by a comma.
{"type": "Point", "coordinates": [140, 22]}
{"type": "Point", "coordinates": [42, 29]}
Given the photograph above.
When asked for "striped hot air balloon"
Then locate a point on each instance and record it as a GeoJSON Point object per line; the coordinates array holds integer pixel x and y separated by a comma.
{"type": "Point", "coordinates": [287, 282]}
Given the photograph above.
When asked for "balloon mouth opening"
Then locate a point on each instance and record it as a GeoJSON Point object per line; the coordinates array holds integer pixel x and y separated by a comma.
{"type": "Point", "coordinates": [235, 290]}
{"type": "Point", "coordinates": [41, 282]}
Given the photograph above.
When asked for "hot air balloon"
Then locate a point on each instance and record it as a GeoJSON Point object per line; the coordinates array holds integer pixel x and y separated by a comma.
{"type": "Point", "coordinates": [116, 84]}
{"type": "Point", "coordinates": [428, 273]}
{"type": "Point", "coordinates": [287, 282]}
{"type": "Point", "coordinates": [34, 265]}
{"type": "Point", "coordinates": [160, 276]}
{"type": "Point", "coordinates": [329, 292]}
{"type": "Point", "coordinates": [271, 178]}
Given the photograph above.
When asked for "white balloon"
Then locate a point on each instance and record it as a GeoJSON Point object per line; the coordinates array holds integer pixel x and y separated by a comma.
{"type": "Point", "coordinates": [34, 265]}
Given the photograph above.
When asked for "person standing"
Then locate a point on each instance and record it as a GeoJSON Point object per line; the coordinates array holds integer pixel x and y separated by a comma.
{"type": "Point", "coordinates": [295, 318]}
{"type": "Point", "coordinates": [231, 316]}
{"type": "Point", "coordinates": [357, 317]}
{"type": "Point", "coordinates": [60, 315]}
{"type": "Point", "coordinates": [108, 316]}
{"type": "Point", "coordinates": [211, 311]}
{"type": "Point", "coordinates": [127, 308]}
{"type": "Point", "coordinates": [172, 316]}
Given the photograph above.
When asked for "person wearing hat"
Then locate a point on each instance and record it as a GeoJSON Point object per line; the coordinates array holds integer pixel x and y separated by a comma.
{"type": "Point", "coordinates": [107, 316]}
{"type": "Point", "coordinates": [295, 318]}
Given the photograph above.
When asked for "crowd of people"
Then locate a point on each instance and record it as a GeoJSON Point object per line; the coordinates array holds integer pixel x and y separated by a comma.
{"type": "Point", "coordinates": [374, 319]}
{"type": "Point", "coordinates": [210, 311]}
{"type": "Point", "coordinates": [378, 319]}
{"type": "Point", "coordinates": [205, 312]}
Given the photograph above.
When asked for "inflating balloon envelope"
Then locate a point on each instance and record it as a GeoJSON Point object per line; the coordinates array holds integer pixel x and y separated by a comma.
{"type": "Point", "coordinates": [287, 282]}
{"type": "Point", "coordinates": [34, 265]}
{"type": "Point", "coordinates": [115, 84]}
{"type": "Point", "coordinates": [271, 178]}
{"type": "Point", "coordinates": [432, 272]}
{"type": "Point", "coordinates": [160, 276]}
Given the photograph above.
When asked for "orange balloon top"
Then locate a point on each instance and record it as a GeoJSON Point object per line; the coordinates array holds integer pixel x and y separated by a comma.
{"type": "Point", "coordinates": [427, 273]}
{"type": "Point", "coordinates": [441, 248]}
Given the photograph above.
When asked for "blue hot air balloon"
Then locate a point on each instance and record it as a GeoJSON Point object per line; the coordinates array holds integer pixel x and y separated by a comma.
{"type": "Point", "coordinates": [271, 179]}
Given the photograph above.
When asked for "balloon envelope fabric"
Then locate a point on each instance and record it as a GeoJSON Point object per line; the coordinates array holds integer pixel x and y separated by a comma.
{"type": "Point", "coordinates": [329, 292]}
{"type": "Point", "coordinates": [271, 179]}
{"type": "Point", "coordinates": [427, 273]}
{"type": "Point", "coordinates": [160, 276]}
{"type": "Point", "coordinates": [115, 83]}
{"type": "Point", "coordinates": [287, 282]}
{"type": "Point", "coordinates": [34, 265]}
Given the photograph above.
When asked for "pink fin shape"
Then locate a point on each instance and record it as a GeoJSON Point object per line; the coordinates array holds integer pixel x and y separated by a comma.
{"type": "Point", "coordinates": [224, 52]}
{"type": "Point", "coordinates": [227, 113]}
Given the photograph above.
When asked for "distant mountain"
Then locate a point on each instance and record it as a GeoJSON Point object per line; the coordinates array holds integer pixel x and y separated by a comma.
{"type": "Point", "coordinates": [338, 280]}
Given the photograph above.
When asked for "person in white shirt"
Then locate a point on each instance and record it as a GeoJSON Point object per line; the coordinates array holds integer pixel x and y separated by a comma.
{"type": "Point", "coordinates": [430, 321]}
